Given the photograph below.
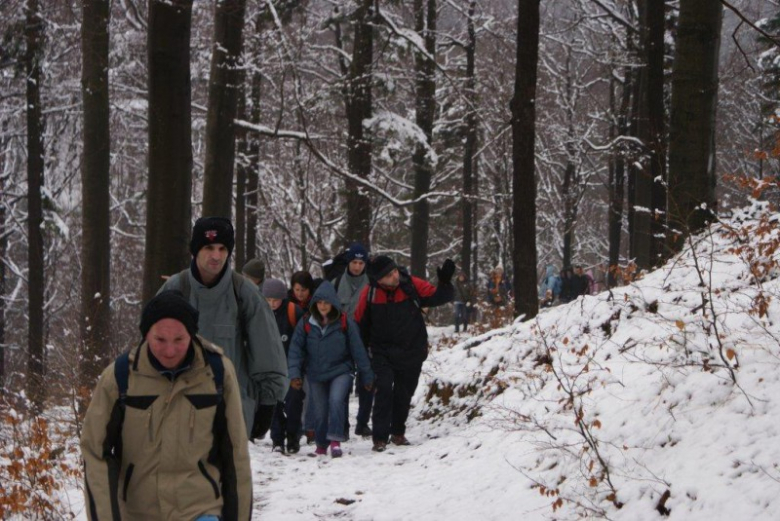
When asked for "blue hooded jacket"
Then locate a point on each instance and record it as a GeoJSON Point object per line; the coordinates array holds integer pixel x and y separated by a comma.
{"type": "Point", "coordinates": [550, 281]}
{"type": "Point", "coordinates": [326, 352]}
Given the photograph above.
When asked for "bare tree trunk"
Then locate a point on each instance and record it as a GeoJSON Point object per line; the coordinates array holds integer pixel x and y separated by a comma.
{"type": "Point", "coordinates": [617, 172]}
{"type": "Point", "coordinates": [656, 22]}
{"type": "Point", "coordinates": [95, 183]}
{"type": "Point", "coordinates": [470, 148]}
{"type": "Point", "coordinates": [523, 140]}
{"type": "Point", "coordinates": [168, 210]}
{"type": "Point", "coordinates": [3, 250]}
{"type": "Point", "coordinates": [570, 188]}
{"type": "Point", "coordinates": [425, 108]}
{"type": "Point", "coordinates": [359, 109]}
{"type": "Point", "coordinates": [692, 128]}
{"type": "Point", "coordinates": [241, 171]}
{"type": "Point", "coordinates": [36, 390]}
{"type": "Point", "coordinates": [224, 82]}
{"type": "Point", "coordinates": [254, 154]}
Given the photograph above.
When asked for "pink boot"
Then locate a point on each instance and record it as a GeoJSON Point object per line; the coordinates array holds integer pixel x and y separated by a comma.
{"type": "Point", "coordinates": [335, 449]}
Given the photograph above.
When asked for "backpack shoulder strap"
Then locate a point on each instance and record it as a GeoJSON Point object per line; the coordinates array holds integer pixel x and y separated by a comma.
{"type": "Point", "coordinates": [306, 325]}
{"type": "Point", "coordinates": [238, 283]}
{"type": "Point", "coordinates": [218, 368]}
{"type": "Point", "coordinates": [121, 374]}
{"type": "Point", "coordinates": [291, 313]}
{"type": "Point", "coordinates": [344, 323]}
{"type": "Point", "coordinates": [184, 283]}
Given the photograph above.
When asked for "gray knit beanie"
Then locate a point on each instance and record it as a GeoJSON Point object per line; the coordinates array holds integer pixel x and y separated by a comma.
{"type": "Point", "coordinates": [274, 288]}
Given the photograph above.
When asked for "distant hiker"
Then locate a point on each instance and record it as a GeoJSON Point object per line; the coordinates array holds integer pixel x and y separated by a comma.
{"type": "Point", "coordinates": [301, 288]}
{"type": "Point", "coordinates": [254, 270]}
{"type": "Point", "coordinates": [550, 287]}
{"type": "Point", "coordinates": [393, 327]}
{"type": "Point", "coordinates": [234, 316]}
{"type": "Point", "coordinates": [498, 288]}
{"type": "Point", "coordinates": [286, 425]}
{"type": "Point", "coordinates": [348, 285]}
{"type": "Point", "coordinates": [327, 348]}
{"type": "Point", "coordinates": [164, 436]}
{"type": "Point", "coordinates": [463, 300]}
{"type": "Point", "coordinates": [568, 288]}
{"type": "Point", "coordinates": [581, 282]}
{"type": "Point", "coordinates": [599, 274]}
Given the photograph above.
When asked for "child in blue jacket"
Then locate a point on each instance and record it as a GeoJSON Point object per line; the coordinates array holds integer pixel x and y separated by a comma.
{"type": "Point", "coordinates": [327, 348]}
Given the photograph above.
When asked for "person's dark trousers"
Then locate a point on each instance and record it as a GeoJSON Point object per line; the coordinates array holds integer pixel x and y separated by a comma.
{"type": "Point", "coordinates": [395, 385]}
{"type": "Point", "coordinates": [287, 419]}
{"type": "Point", "coordinates": [461, 316]}
{"type": "Point", "coordinates": [365, 403]}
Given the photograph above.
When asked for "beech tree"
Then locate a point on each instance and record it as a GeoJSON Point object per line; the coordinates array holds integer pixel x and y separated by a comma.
{"type": "Point", "coordinates": [523, 159]}
{"type": "Point", "coordinates": [168, 210]}
{"type": "Point", "coordinates": [95, 182]}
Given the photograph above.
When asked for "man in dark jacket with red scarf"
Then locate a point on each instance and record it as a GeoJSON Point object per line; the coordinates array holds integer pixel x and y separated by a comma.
{"type": "Point", "coordinates": [392, 326]}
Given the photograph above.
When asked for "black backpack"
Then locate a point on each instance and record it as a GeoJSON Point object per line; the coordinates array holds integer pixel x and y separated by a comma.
{"type": "Point", "coordinates": [335, 267]}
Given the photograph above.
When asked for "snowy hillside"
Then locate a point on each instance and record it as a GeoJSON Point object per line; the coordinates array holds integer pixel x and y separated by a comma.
{"type": "Point", "coordinates": [658, 401]}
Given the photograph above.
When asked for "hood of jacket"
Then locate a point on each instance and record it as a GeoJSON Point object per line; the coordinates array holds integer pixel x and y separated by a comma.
{"type": "Point", "coordinates": [325, 292]}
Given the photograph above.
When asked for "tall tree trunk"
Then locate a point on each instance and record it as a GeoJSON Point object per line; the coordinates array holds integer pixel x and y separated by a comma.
{"type": "Point", "coordinates": [224, 83]}
{"type": "Point", "coordinates": [359, 109]}
{"type": "Point", "coordinates": [95, 183]}
{"type": "Point", "coordinates": [425, 109]}
{"type": "Point", "coordinates": [168, 208]}
{"type": "Point", "coordinates": [36, 390]}
{"type": "Point", "coordinates": [241, 171]}
{"type": "Point", "coordinates": [252, 174]}
{"type": "Point", "coordinates": [649, 191]}
{"type": "Point", "coordinates": [654, 49]}
{"type": "Point", "coordinates": [3, 249]}
{"type": "Point", "coordinates": [470, 148]}
{"type": "Point", "coordinates": [617, 171]}
{"type": "Point", "coordinates": [523, 139]}
{"type": "Point", "coordinates": [692, 126]}
{"type": "Point", "coordinates": [570, 189]}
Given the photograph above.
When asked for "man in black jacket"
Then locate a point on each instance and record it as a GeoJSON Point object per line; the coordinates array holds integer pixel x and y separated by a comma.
{"type": "Point", "coordinates": [392, 326]}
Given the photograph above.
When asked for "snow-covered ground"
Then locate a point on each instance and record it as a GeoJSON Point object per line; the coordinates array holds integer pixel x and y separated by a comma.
{"type": "Point", "coordinates": [657, 401]}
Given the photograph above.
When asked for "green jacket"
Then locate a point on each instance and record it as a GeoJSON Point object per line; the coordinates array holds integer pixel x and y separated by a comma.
{"type": "Point", "coordinates": [262, 366]}
{"type": "Point", "coordinates": [176, 461]}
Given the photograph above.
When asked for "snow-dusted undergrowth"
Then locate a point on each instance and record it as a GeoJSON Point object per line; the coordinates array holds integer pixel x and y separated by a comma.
{"type": "Point", "coordinates": [659, 400]}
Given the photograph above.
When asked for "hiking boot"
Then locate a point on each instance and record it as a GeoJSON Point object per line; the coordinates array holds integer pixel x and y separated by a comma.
{"type": "Point", "coordinates": [309, 437]}
{"type": "Point", "coordinates": [335, 449]}
{"type": "Point", "coordinates": [399, 439]}
{"type": "Point", "coordinates": [278, 447]}
{"type": "Point", "coordinates": [320, 451]}
{"type": "Point", "coordinates": [363, 430]}
{"type": "Point", "coordinates": [379, 446]}
{"type": "Point", "coordinates": [293, 445]}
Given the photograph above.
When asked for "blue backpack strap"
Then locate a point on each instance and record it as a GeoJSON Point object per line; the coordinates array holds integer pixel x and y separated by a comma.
{"type": "Point", "coordinates": [218, 368]}
{"type": "Point", "coordinates": [121, 374]}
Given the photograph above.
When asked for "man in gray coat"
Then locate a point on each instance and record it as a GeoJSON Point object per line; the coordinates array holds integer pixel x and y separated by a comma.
{"type": "Point", "coordinates": [234, 316]}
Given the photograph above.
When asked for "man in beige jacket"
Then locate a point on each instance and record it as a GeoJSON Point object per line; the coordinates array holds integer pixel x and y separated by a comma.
{"type": "Point", "coordinates": [164, 436]}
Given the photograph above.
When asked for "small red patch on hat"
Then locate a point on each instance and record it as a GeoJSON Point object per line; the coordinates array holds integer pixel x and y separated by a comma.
{"type": "Point", "coordinates": [211, 235]}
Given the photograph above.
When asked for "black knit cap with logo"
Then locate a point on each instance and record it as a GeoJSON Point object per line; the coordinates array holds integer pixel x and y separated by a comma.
{"type": "Point", "coordinates": [169, 304]}
{"type": "Point", "coordinates": [212, 230]}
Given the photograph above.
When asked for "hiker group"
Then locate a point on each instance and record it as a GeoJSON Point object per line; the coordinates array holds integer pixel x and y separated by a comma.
{"type": "Point", "coordinates": [569, 284]}
{"type": "Point", "coordinates": [224, 358]}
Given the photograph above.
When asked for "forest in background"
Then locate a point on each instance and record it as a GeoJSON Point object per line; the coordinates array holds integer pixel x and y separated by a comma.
{"type": "Point", "coordinates": [385, 122]}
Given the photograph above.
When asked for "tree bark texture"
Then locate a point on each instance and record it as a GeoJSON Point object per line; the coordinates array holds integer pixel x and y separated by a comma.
{"type": "Point", "coordinates": [36, 390]}
{"type": "Point", "coordinates": [168, 209]}
{"type": "Point", "coordinates": [470, 148]}
{"type": "Point", "coordinates": [523, 140]}
{"type": "Point", "coordinates": [617, 171]}
{"type": "Point", "coordinates": [3, 250]}
{"type": "Point", "coordinates": [95, 182]}
{"type": "Point", "coordinates": [425, 109]}
{"type": "Point", "coordinates": [242, 165]}
{"type": "Point", "coordinates": [649, 190]}
{"type": "Point", "coordinates": [692, 122]}
{"type": "Point", "coordinates": [224, 84]}
{"type": "Point", "coordinates": [359, 109]}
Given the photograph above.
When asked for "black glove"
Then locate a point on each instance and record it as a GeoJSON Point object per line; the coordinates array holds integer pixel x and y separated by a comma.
{"type": "Point", "coordinates": [264, 415]}
{"type": "Point", "coordinates": [446, 272]}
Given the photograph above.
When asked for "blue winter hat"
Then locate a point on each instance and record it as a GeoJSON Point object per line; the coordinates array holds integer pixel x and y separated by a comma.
{"type": "Point", "coordinates": [357, 251]}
